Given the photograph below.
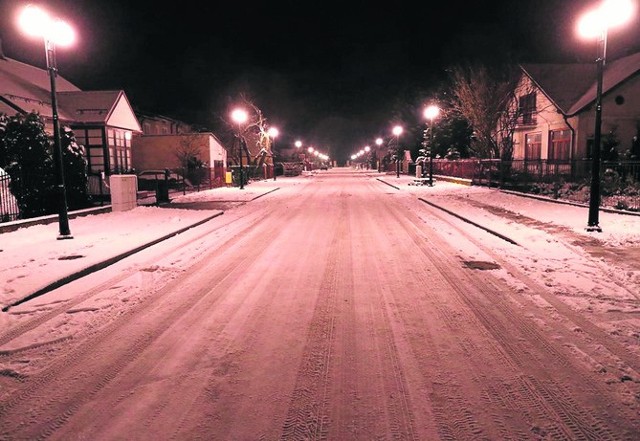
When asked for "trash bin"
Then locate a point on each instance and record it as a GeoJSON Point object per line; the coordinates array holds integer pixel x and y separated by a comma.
{"type": "Point", "coordinates": [162, 190]}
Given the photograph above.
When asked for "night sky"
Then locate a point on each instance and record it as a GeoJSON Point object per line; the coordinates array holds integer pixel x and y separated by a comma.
{"type": "Point", "coordinates": [329, 73]}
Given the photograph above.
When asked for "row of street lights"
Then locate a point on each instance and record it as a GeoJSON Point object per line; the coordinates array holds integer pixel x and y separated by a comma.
{"type": "Point", "coordinates": [611, 13]}
{"type": "Point", "coordinates": [430, 113]}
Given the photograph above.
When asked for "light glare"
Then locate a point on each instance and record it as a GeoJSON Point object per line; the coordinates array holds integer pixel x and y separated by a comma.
{"type": "Point", "coordinates": [33, 21]}
{"type": "Point", "coordinates": [431, 112]}
{"type": "Point", "coordinates": [611, 13]}
{"type": "Point", "coordinates": [61, 33]}
{"type": "Point", "coordinates": [239, 116]}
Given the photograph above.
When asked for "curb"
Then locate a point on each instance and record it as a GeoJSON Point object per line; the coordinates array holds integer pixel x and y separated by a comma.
{"type": "Point", "coordinates": [101, 265]}
{"type": "Point", "coordinates": [7, 227]}
{"type": "Point", "coordinates": [565, 202]}
{"type": "Point", "coordinates": [488, 230]}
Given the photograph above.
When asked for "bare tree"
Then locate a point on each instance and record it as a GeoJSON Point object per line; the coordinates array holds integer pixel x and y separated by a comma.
{"type": "Point", "coordinates": [188, 154]}
{"type": "Point", "coordinates": [254, 134]}
{"type": "Point", "coordinates": [488, 100]}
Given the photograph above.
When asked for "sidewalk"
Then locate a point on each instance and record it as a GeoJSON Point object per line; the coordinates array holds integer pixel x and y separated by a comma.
{"type": "Point", "coordinates": [33, 261]}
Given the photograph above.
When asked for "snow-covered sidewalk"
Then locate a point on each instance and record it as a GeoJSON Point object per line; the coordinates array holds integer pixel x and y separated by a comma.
{"type": "Point", "coordinates": [31, 258]}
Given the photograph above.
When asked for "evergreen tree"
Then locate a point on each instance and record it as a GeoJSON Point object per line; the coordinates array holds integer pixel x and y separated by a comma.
{"type": "Point", "coordinates": [75, 170]}
{"type": "Point", "coordinates": [29, 164]}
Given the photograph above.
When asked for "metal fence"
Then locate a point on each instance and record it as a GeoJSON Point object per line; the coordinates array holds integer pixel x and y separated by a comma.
{"type": "Point", "coordinates": [499, 173]}
{"type": "Point", "coordinates": [620, 180]}
{"type": "Point", "coordinates": [9, 210]}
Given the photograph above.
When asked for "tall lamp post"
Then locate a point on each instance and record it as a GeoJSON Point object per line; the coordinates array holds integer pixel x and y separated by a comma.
{"type": "Point", "coordinates": [431, 113]}
{"type": "Point", "coordinates": [273, 133]}
{"type": "Point", "coordinates": [240, 116]}
{"type": "Point", "coordinates": [36, 22]}
{"type": "Point", "coordinates": [397, 131]}
{"type": "Point", "coordinates": [379, 142]}
{"type": "Point", "coordinates": [596, 23]}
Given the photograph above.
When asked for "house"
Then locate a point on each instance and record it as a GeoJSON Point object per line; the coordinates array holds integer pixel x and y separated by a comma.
{"type": "Point", "coordinates": [103, 121]}
{"type": "Point", "coordinates": [175, 151]}
{"type": "Point", "coordinates": [153, 124]}
{"type": "Point", "coordinates": [557, 114]}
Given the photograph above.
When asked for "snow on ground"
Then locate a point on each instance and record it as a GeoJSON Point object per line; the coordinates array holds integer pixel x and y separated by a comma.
{"type": "Point", "coordinates": [32, 258]}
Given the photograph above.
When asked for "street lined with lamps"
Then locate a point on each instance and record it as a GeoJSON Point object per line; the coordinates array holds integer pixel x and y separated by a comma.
{"type": "Point", "coordinates": [36, 22]}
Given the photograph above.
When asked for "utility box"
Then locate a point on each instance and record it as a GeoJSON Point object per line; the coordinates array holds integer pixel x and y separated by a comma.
{"type": "Point", "coordinates": [124, 192]}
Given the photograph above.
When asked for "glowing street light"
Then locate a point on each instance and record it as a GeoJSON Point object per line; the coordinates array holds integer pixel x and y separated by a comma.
{"type": "Point", "coordinates": [273, 133]}
{"type": "Point", "coordinates": [431, 113]}
{"type": "Point", "coordinates": [595, 24]}
{"type": "Point", "coordinates": [36, 22]}
{"type": "Point", "coordinates": [240, 116]}
{"type": "Point", "coordinates": [379, 142]}
{"type": "Point", "coordinates": [397, 131]}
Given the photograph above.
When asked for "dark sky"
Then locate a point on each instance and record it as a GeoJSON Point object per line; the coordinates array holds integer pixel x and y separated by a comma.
{"type": "Point", "coordinates": [330, 73]}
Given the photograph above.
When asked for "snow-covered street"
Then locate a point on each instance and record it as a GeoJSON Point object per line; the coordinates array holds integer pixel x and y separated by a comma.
{"type": "Point", "coordinates": [347, 305]}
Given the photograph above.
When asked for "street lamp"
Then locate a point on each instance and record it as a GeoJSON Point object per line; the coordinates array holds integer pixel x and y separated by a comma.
{"type": "Point", "coordinates": [379, 142]}
{"type": "Point", "coordinates": [596, 23]}
{"type": "Point", "coordinates": [431, 113]}
{"type": "Point", "coordinates": [397, 131]}
{"type": "Point", "coordinates": [273, 133]}
{"type": "Point", "coordinates": [240, 116]}
{"type": "Point", "coordinates": [367, 150]}
{"type": "Point", "coordinates": [35, 22]}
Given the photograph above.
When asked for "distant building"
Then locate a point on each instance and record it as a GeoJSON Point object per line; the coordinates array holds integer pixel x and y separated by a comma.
{"type": "Point", "coordinates": [162, 125]}
{"type": "Point", "coordinates": [176, 151]}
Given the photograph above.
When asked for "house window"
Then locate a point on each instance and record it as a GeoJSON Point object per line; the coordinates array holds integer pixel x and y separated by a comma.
{"type": "Point", "coordinates": [560, 145]}
{"type": "Point", "coordinates": [527, 108]}
{"type": "Point", "coordinates": [533, 146]}
{"type": "Point", "coordinates": [93, 141]}
{"type": "Point", "coordinates": [119, 150]}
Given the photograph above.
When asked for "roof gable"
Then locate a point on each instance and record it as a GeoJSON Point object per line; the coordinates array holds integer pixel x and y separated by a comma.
{"type": "Point", "coordinates": [572, 87]}
{"type": "Point", "coordinates": [108, 107]}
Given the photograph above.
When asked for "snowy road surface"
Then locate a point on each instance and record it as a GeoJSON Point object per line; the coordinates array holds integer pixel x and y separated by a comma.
{"type": "Point", "coordinates": [343, 310]}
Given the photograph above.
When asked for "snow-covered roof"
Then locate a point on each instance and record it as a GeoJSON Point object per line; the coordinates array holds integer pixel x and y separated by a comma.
{"type": "Point", "coordinates": [572, 87]}
{"type": "Point", "coordinates": [27, 88]}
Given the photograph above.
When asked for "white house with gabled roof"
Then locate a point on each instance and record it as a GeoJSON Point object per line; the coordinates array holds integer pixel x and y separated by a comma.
{"type": "Point", "coordinates": [103, 121]}
{"type": "Point", "coordinates": [557, 113]}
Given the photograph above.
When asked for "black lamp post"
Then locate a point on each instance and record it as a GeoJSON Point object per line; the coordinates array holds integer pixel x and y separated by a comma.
{"type": "Point", "coordinates": [240, 116]}
{"type": "Point", "coordinates": [596, 23]}
{"type": "Point", "coordinates": [594, 196]}
{"type": "Point", "coordinates": [63, 216]}
{"type": "Point", "coordinates": [273, 133]}
{"type": "Point", "coordinates": [36, 22]}
{"type": "Point", "coordinates": [242, 145]}
{"type": "Point", "coordinates": [397, 131]}
{"type": "Point", "coordinates": [431, 113]}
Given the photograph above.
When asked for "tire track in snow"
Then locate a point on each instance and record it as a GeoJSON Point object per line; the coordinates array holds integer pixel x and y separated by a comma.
{"type": "Point", "coordinates": [522, 348]}
{"type": "Point", "coordinates": [84, 362]}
